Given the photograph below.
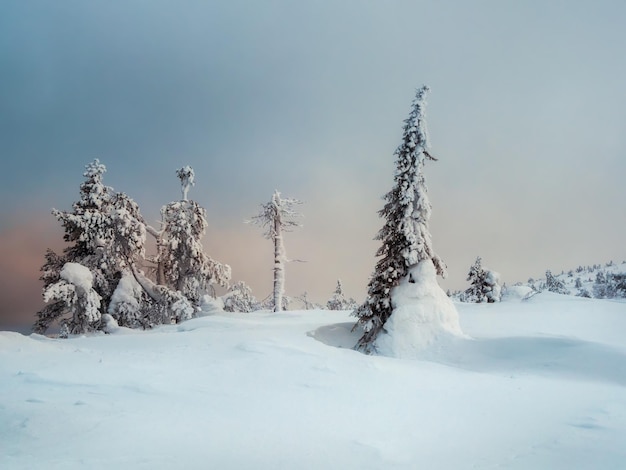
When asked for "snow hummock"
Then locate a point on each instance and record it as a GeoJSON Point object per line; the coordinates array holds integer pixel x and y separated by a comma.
{"type": "Point", "coordinates": [492, 279]}
{"type": "Point", "coordinates": [517, 292]}
{"type": "Point", "coordinates": [78, 275]}
{"type": "Point", "coordinates": [423, 315]}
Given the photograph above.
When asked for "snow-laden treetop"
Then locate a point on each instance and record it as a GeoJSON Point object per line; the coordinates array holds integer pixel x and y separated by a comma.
{"type": "Point", "coordinates": [186, 176]}
{"type": "Point", "coordinates": [277, 215]}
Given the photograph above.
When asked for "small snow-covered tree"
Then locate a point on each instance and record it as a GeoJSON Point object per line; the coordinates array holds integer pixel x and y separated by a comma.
{"type": "Point", "coordinates": [338, 300]}
{"type": "Point", "coordinates": [240, 298]}
{"type": "Point", "coordinates": [75, 294]}
{"type": "Point", "coordinates": [276, 217]}
{"type": "Point", "coordinates": [484, 284]}
{"type": "Point", "coordinates": [554, 284]}
{"type": "Point", "coordinates": [476, 277]}
{"type": "Point", "coordinates": [405, 236]}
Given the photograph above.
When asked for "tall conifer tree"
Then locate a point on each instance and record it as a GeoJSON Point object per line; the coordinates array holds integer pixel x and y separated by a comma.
{"type": "Point", "coordinates": [106, 234]}
{"type": "Point", "coordinates": [405, 236]}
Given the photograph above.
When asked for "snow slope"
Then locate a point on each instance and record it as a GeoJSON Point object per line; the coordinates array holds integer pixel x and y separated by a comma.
{"type": "Point", "coordinates": [540, 384]}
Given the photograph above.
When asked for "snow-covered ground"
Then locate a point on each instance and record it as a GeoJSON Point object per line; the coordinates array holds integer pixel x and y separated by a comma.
{"type": "Point", "coordinates": [538, 384]}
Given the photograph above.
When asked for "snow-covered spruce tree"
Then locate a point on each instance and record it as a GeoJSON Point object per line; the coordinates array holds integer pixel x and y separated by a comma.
{"type": "Point", "coordinates": [406, 240]}
{"type": "Point", "coordinates": [106, 234]}
{"type": "Point", "coordinates": [476, 277]}
{"type": "Point", "coordinates": [278, 216]}
{"type": "Point", "coordinates": [182, 264]}
{"type": "Point", "coordinates": [554, 284]}
{"type": "Point", "coordinates": [338, 301]}
{"type": "Point", "coordinates": [484, 284]}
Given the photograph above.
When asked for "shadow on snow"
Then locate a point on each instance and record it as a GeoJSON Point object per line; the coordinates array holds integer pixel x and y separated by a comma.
{"type": "Point", "coordinates": [549, 356]}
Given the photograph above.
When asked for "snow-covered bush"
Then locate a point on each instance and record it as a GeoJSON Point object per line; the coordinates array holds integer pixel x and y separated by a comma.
{"type": "Point", "coordinates": [75, 294]}
{"type": "Point", "coordinates": [240, 299]}
{"type": "Point", "coordinates": [163, 305]}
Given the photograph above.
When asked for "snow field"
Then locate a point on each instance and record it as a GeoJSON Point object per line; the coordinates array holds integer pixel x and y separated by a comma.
{"type": "Point", "coordinates": [538, 384]}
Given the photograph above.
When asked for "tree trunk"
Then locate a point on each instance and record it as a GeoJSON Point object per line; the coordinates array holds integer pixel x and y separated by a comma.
{"type": "Point", "coordinates": [279, 268]}
{"type": "Point", "coordinates": [158, 236]}
{"type": "Point", "coordinates": [160, 275]}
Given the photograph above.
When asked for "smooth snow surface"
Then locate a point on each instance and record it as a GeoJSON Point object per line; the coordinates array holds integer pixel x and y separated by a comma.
{"type": "Point", "coordinates": [423, 317]}
{"type": "Point", "coordinates": [541, 385]}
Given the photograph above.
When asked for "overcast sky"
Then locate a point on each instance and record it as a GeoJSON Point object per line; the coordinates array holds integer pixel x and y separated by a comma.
{"type": "Point", "coordinates": [527, 115]}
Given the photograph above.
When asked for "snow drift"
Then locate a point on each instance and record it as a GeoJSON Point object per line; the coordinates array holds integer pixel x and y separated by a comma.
{"type": "Point", "coordinates": [423, 315]}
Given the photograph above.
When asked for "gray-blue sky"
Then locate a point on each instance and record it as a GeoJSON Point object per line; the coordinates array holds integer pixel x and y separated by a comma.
{"type": "Point", "coordinates": [527, 116]}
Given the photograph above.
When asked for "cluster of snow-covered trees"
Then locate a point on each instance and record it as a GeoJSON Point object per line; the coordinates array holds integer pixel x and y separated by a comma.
{"type": "Point", "coordinates": [102, 270]}
{"type": "Point", "coordinates": [596, 281]}
{"type": "Point", "coordinates": [104, 275]}
{"type": "Point", "coordinates": [608, 282]}
{"type": "Point", "coordinates": [609, 285]}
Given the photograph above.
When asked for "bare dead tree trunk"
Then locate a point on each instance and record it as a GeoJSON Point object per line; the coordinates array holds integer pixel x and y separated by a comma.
{"type": "Point", "coordinates": [279, 267]}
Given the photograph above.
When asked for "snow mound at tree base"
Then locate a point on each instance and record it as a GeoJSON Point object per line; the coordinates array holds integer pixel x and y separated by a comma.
{"type": "Point", "coordinates": [424, 319]}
